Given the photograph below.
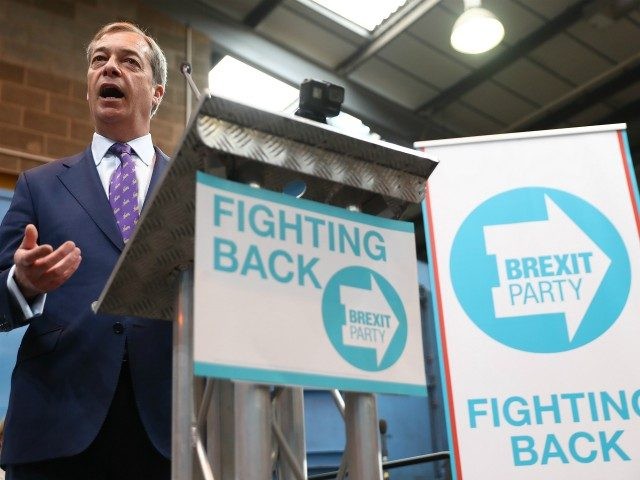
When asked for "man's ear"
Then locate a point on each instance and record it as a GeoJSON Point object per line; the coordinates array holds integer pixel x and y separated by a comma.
{"type": "Point", "coordinates": [158, 93]}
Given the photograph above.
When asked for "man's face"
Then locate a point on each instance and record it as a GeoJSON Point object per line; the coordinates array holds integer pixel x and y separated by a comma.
{"type": "Point", "coordinates": [120, 87]}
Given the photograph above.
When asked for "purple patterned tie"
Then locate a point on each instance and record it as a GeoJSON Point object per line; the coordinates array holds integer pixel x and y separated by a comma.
{"type": "Point", "coordinates": [123, 190]}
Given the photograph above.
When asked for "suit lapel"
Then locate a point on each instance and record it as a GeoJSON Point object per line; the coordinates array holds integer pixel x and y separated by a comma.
{"type": "Point", "coordinates": [83, 182]}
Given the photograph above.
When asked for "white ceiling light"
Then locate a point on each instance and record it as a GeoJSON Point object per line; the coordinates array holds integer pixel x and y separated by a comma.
{"type": "Point", "coordinates": [477, 30]}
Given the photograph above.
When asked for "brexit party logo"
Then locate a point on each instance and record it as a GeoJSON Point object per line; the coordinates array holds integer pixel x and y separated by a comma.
{"type": "Point", "coordinates": [540, 270]}
{"type": "Point", "coordinates": [364, 318]}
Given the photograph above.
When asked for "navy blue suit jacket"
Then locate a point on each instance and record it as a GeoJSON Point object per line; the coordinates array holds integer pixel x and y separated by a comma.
{"type": "Point", "coordinates": [70, 358]}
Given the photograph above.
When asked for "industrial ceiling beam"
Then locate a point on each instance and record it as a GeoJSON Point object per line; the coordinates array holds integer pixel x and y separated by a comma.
{"type": "Point", "coordinates": [389, 30]}
{"type": "Point", "coordinates": [629, 113]}
{"type": "Point", "coordinates": [520, 49]}
{"type": "Point", "coordinates": [392, 121]}
{"type": "Point", "coordinates": [260, 12]}
{"type": "Point", "coordinates": [594, 91]}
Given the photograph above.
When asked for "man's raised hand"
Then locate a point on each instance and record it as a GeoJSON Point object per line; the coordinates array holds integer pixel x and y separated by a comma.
{"type": "Point", "coordinates": [40, 268]}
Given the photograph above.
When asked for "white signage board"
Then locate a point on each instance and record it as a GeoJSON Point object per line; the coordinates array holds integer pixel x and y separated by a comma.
{"type": "Point", "coordinates": [535, 257]}
{"type": "Point", "coordinates": [289, 291]}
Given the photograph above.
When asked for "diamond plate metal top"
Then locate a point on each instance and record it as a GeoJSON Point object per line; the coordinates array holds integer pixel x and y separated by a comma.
{"type": "Point", "coordinates": [323, 136]}
{"type": "Point", "coordinates": [246, 144]}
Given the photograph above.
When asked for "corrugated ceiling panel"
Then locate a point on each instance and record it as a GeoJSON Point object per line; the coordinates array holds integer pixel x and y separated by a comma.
{"type": "Point", "coordinates": [306, 37]}
{"type": "Point", "coordinates": [619, 41]}
{"type": "Point", "coordinates": [236, 9]}
{"type": "Point", "coordinates": [547, 8]}
{"type": "Point", "coordinates": [323, 21]}
{"type": "Point", "coordinates": [498, 102]}
{"type": "Point", "coordinates": [518, 22]}
{"type": "Point", "coordinates": [570, 59]}
{"type": "Point", "coordinates": [431, 65]}
{"type": "Point", "coordinates": [591, 116]}
{"type": "Point", "coordinates": [533, 81]}
{"type": "Point", "coordinates": [392, 83]}
{"type": "Point", "coordinates": [434, 27]}
{"type": "Point", "coordinates": [626, 96]}
{"type": "Point", "coordinates": [465, 120]}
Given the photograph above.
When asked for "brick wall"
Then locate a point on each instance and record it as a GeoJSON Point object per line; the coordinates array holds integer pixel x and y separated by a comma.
{"type": "Point", "coordinates": [43, 108]}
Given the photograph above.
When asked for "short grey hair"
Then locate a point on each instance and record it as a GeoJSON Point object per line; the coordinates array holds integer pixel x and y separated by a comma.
{"type": "Point", "coordinates": [156, 56]}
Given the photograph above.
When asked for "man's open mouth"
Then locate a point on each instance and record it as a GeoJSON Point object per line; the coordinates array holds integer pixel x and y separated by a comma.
{"type": "Point", "coordinates": [110, 92]}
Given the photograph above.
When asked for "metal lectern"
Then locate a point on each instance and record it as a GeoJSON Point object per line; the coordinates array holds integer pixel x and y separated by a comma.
{"type": "Point", "coordinates": [234, 433]}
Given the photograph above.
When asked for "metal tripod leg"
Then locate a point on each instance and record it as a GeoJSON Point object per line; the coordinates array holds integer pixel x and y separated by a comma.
{"type": "Point", "coordinates": [361, 417]}
{"type": "Point", "coordinates": [182, 390]}
{"type": "Point", "coordinates": [252, 414]}
{"type": "Point", "coordinates": [290, 415]}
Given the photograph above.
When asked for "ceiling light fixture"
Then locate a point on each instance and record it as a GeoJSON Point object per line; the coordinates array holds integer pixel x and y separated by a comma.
{"type": "Point", "coordinates": [477, 30]}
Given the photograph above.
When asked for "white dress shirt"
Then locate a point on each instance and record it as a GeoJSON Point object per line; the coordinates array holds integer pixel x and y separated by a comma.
{"type": "Point", "coordinates": [106, 164]}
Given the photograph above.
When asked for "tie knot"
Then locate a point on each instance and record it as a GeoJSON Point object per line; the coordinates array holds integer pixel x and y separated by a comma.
{"type": "Point", "coordinates": [120, 149]}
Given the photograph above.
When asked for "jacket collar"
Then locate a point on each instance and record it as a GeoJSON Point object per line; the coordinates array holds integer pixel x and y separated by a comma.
{"type": "Point", "coordinates": [83, 182]}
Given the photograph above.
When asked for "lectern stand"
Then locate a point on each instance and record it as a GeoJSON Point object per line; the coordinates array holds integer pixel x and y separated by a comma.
{"type": "Point", "coordinates": [233, 426]}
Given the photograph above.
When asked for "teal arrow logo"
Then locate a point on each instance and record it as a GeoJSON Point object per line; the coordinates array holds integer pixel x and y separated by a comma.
{"type": "Point", "coordinates": [547, 266]}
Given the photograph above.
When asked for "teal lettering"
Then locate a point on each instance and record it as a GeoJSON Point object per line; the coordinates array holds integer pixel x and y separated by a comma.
{"type": "Point", "coordinates": [573, 450]}
{"type": "Point", "coordinates": [515, 290]}
{"type": "Point", "coordinates": [530, 267]}
{"type": "Point", "coordinates": [472, 406]}
{"type": "Point", "coordinates": [306, 270]}
{"type": "Point", "coordinates": [539, 409]}
{"type": "Point", "coordinates": [621, 408]}
{"type": "Point", "coordinates": [546, 266]}
{"type": "Point", "coordinates": [513, 268]}
{"type": "Point", "coordinates": [523, 416]}
{"type": "Point", "coordinates": [573, 400]}
{"type": "Point", "coordinates": [635, 402]}
{"type": "Point", "coordinates": [611, 444]}
{"type": "Point", "coordinates": [224, 255]}
{"type": "Point", "coordinates": [524, 454]}
{"type": "Point", "coordinates": [315, 229]}
{"type": "Point", "coordinates": [585, 256]}
{"type": "Point", "coordinates": [282, 278]}
{"type": "Point", "coordinates": [263, 227]}
{"type": "Point", "coordinates": [353, 241]}
{"type": "Point", "coordinates": [219, 210]}
{"type": "Point", "coordinates": [562, 260]}
{"type": "Point", "coordinates": [253, 261]}
{"type": "Point", "coordinates": [295, 226]}
{"type": "Point", "coordinates": [374, 246]}
{"type": "Point", "coordinates": [552, 449]}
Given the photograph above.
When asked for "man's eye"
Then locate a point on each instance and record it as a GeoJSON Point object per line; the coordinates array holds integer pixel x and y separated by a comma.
{"type": "Point", "coordinates": [98, 59]}
{"type": "Point", "coordinates": [132, 61]}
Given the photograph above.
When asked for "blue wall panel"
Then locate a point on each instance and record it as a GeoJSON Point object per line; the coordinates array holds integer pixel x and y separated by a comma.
{"type": "Point", "coordinates": [9, 342]}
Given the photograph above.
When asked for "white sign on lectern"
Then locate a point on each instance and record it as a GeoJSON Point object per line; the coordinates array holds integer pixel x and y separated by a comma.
{"type": "Point", "coordinates": [289, 291]}
{"type": "Point", "coordinates": [535, 256]}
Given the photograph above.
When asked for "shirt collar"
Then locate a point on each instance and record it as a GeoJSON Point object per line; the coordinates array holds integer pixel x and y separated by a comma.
{"type": "Point", "coordinates": [142, 146]}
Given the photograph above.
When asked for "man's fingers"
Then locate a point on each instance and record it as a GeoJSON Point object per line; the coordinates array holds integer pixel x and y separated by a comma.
{"type": "Point", "coordinates": [43, 269]}
{"type": "Point", "coordinates": [66, 266]}
{"type": "Point", "coordinates": [50, 260]}
{"type": "Point", "coordinates": [30, 239]}
{"type": "Point", "coordinates": [28, 257]}
{"type": "Point", "coordinates": [59, 273]}
{"type": "Point", "coordinates": [70, 269]}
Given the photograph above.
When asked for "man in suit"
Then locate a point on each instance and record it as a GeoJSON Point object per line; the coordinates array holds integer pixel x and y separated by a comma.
{"type": "Point", "coordinates": [90, 394]}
